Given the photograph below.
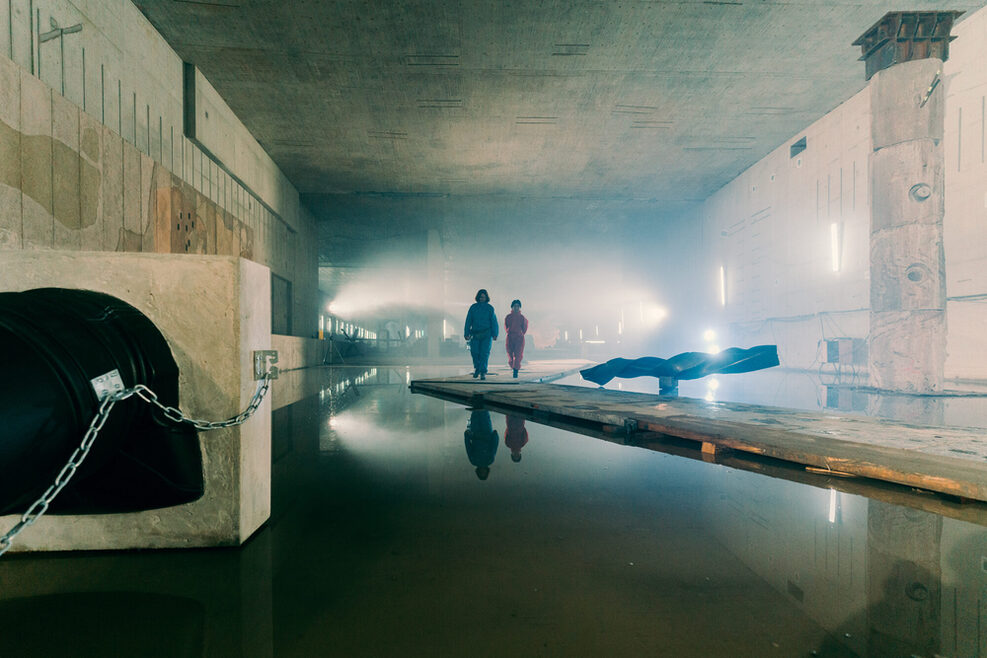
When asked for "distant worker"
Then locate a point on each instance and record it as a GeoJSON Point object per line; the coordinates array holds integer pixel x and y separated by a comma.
{"type": "Point", "coordinates": [481, 442]}
{"type": "Point", "coordinates": [515, 436]}
{"type": "Point", "coordinates": [516, 326]}
{"type": "Point", "coordinates": [481, 328]}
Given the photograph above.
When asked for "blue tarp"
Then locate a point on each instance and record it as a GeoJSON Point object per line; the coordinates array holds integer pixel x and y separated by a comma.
{"type": "Point", "coordinates": [688, 365]}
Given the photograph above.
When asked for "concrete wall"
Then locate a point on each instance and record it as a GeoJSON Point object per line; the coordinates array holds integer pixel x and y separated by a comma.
{"type": "Point", "coordinates": [772, 228]}
{"type": "Point", "coordinates": [965, 219]}
{"type": "Point", "coordinates": [118, 79]}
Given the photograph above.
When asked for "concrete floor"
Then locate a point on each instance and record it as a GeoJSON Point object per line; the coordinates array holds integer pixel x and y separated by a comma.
{"type": "Point", "coordinates": [384, 542]}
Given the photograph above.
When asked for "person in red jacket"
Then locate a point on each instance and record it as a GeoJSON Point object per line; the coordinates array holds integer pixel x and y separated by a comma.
{"type": "Point", "coordinates": [516, 326]}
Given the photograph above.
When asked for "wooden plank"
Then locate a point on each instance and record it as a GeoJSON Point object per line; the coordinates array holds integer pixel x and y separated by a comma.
{"type": "Point", "coordinates": [970, 511]}
{"type": "Point", "coordinates": [880, 449]}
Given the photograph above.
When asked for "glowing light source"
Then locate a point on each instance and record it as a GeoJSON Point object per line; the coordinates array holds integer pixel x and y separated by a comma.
{"type": "Point", "coordinates": [832, 505]}
{"type": "Point", "coordinates": [332, 308]}
{"type": "Point", "coordinates": [723, 286]}
{"type": "Point", "coordinates": [709, 335]}
{"type": "Point", "coordinates": [713, 384]}
{"type": "Point", "coordinates": [596, 341]}
{"type": "Point", "coordinates": [407, 331]}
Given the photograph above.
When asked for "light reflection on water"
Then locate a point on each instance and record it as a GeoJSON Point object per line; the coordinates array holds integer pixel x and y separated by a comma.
{"type": "Point", "coordinates": [384, 540]}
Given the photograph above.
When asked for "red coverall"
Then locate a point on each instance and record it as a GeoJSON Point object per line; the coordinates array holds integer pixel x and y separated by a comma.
{"type": "Point", "coordinates": [516, 325]}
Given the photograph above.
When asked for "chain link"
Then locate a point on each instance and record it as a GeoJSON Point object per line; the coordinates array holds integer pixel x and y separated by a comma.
{"type": "Point", "coordinates": [40, 506]}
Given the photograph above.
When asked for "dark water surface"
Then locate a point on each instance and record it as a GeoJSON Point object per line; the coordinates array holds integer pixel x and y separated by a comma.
{"type": "Point", "coordinates": [385, 541]}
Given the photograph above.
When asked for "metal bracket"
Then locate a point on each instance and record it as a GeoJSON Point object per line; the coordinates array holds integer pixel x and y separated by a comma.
{"type": "Point", "coordinates": [261, 359]}
{"type": "Point", "coordinates": [107, 384]}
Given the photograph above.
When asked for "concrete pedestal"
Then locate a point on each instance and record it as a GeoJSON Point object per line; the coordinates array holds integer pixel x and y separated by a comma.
{"type": "Point", "coordinates": [214, 311]}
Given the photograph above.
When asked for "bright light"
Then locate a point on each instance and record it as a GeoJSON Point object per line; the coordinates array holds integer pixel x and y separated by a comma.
{"type": "Point", "coordinates": [723, 286]}
{"type": "Point", "coordinates": [407, 331]}
{"type": "Point", "coordinates": [713, 384]}
{"type": "Point", "coordinates": [332, 308]}
{"type": "Point", "coordinates": [709, 335]}
{"type": "Point", "coordinates": [597, 330]}
{"type": "Point", "coordinates": [567, 336]}
{"type": "Point", "coordinates": [580, 334]}
{"type": "Point", "coordinates": [652, 315]}
{"type": "Point", "coordinates": [714, 349]}
{"type": "Point", "coordinates": [443, 327]}
{"type": "Point", "coordinates": [834, 242]}
{"type": "Point", "coordinates": [832, 505]}
{"type": "Point", "coordinates": [332, 423]}
{"type": "Point", "coordinates": [710, 397]}
{"type": "Point", "coordinates": [620, 328]}
{"type": "Point", "coordinates": [597, 341]}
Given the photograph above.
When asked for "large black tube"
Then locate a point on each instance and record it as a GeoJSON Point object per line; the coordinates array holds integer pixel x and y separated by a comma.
{"type": "Point", "coordinates": [52, 343]}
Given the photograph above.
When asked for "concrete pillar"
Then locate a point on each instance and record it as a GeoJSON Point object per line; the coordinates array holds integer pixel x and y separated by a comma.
{"type": "Point", "coordinates": [435, 294]}
{"type": "Point", "coordinates": [903, 581]}
{"type": "Point", "coordinates": [907, 265]}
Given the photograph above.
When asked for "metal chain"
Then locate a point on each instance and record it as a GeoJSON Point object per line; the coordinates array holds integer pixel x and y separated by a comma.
{"type": "Point", "coordinates": [40, 506]}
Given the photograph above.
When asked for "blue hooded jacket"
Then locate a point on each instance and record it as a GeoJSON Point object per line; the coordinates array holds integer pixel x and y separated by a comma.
{"type": "Point", "coordinates": [481, 318]}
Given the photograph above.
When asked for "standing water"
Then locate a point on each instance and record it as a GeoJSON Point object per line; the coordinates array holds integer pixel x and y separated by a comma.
{"type": "Point", "coordinates": [403, 525]}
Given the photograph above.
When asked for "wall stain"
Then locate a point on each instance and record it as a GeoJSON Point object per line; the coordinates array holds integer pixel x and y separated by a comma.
{"type": "Point", "coordinates": [34, 176]}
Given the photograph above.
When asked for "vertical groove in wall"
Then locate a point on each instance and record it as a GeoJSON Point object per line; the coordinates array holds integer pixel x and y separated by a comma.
{"type": "Point", "coordinates": [959, 139]}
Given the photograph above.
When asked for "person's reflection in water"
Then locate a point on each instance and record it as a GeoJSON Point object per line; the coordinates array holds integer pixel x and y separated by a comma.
{"type": "Point", "coordinates": [515, 436]}
{"type": "Point", "coordinates": [481, 442]}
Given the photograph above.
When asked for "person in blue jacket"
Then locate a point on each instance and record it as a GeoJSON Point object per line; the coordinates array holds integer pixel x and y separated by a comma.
{"type": "Point", "coordinates": [481, 328]}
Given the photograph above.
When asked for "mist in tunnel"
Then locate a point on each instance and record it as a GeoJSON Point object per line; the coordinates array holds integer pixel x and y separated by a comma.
{"type": "Point", "coordinates": [619, 279]}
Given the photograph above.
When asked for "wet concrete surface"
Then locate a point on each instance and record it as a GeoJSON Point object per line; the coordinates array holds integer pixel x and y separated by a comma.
{"type": "Point", "coordinates": [385, 541]}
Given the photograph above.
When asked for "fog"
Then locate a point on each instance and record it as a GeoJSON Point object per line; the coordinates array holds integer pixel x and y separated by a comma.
{"type": "Point", "coordinates": [624, 286]}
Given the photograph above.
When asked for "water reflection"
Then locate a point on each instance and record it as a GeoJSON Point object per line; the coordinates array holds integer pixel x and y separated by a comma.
{"type": "Point", "coordinates": [587, 547]}
{"type": "Point", "coordinates": [515, 436]}
{"type": "Point", "coordinates": [481, 442]}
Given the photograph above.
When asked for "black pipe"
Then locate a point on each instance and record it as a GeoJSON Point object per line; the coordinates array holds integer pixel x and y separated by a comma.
{"type": "Point", "coordinates": [53, 342]}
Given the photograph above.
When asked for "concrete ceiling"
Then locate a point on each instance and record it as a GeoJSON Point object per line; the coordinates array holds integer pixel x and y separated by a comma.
{"type": "Point", "coordinates": [619, 101]}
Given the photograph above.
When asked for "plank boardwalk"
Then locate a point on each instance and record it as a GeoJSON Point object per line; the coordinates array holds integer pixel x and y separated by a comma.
{"type": "Point", "coordinates": [950, 461]}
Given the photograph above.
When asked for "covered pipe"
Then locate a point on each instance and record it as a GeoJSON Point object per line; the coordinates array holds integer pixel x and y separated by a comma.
{"type": "Point", "coordinates": [53, 342]}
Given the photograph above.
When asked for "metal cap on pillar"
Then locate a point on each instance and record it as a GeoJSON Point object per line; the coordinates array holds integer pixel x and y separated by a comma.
{"type": "Point", "coordinates": [902, 36]}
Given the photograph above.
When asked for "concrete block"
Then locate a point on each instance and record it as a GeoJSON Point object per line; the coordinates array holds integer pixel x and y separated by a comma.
{"type": "Point", "coordinates": [897, 94]}
{"type": "Point", "coordinates": [190, 198]}
{"type": "Point", "coordinates": [246, 241]}
{"type": "Point", "coordinates": [907, 184]}
{"type": "Point", "coordinates": [163, 215]}
{"type": "Point", "coordinates": [209, 226]}
{"type": "Point", "coordinates": [213, 311]}
{"type": "Point", "coordinates": [90, 183]}
{"type": "Point", "coordinates": [131, 198]}
{"type": "Point", "coordinates": [148, 167]}
{"type": "Point", "coordinates": [907, 350]}
{"type": "Point", "coordinates": [112, 150]}
{"type": "Point", "coordinates": [198, 235]}
{"type": "Point", "coordinates": [10, 155]}
{"type": "Point", "coordinates": [227, 234]}
{"type": "Point", "coordinates": [36, 157]}
{"type": "Point", "coordinates": [908, 269]}
{"type": "Point", "coordinates": [65, 172]}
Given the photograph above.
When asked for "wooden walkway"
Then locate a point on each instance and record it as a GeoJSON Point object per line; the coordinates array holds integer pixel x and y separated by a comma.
{"type": "Point", "coordinates": [951, 461]}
